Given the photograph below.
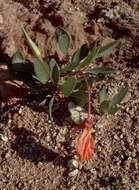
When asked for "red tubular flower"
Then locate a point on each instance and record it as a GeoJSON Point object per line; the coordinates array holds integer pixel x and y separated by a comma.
{"type": "Point", "coordinates": [85, 143]}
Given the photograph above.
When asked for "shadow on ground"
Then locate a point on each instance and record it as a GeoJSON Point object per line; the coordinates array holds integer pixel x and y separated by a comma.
{"type": "Point", "coordinates": [27, 147]}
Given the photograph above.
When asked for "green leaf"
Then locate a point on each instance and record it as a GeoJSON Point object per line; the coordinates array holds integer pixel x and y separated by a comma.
{"type": "Point", "coordinates": [103, 70]}
{"type": "Point", "coordinates": [112, 109]}
{"type": "Point", "coordinates": [107, 49]}
{"type": "Point", "coordinates": [118, 183]}
{"type": "Point", "coordinates": [74, 62]}
{"type": "Point", "coordinates": [68, 86]}
{"type": "Point", "coordinates": [111, 106]}
{"type": "Point", "coordinates": [51, 108]}
{"type": "Point", "coordinates": [55, 74]}
{"type": "Point", "coordinates": [80, 84]}
{"type": "Point", "coordinates": [35, 50]}
{"type": "Point", "coordinates": [79, 97]}
{"type": "Point", "coordinates": [104, 106]}
{"type": "Point", "coordinates": [83, 51]}
{"type": "Point", "coordinates": [103, 96]}
{"type": "Point", "coordinates": [18, 62]}
{"type": "Point", "coordinates": [76, 58]}
{"type": "Point", "coordinates": [52, 64]}
{"type": "Point", "coordinates": [63, 40]}
{"type": "Point", "coordinates": [46, 60]}
{"type": "Point", "coordinates": [119, 97]}
{"type": "Point", "coordinates": [40, 67]}
{"type": "Point", "coordinates": [116, 100]}
{"type": "Point", "coordinates": [90, 58]}
{"type": "Point", "coordinates": [20, 65]}
{"type": "Point", "coordinates": [99, 77]}
{"type": "Point", "coordinates": [40, 72]}
{"type": "Point", "coordinates": [18, 58]}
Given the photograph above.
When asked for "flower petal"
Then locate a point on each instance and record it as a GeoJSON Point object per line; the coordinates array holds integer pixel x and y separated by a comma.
{"type": "Point", "coordinates": [85, 144]}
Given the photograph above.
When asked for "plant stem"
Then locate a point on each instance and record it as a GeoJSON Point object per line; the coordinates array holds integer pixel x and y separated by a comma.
{"type": "Point", "coordinates": [89, 97]}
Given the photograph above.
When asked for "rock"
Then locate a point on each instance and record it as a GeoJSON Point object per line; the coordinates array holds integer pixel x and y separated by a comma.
{"type": "Point", "coordinates": [121, 136]}
{"type": "Point", "coordinates": [75, 163]}
{"type": "Point", "coordinates": [73, 187]}
{"type": "Point", "coordinates": [73, 173]}
{"type": "Point", "coordinates": [78, 114]}
{"type": "Point", "coordinates": [116, 137]}
{"type": "Point", "coordinates": [8, 155]}
{"type": "Point", "coordinates": [93, 171]}
{"type": "Point", "coordinates": [48, 138]}
{"type": "Point", "coordinates": [20, 110]}
{"type": "Point", "coordinates": [4, 138]}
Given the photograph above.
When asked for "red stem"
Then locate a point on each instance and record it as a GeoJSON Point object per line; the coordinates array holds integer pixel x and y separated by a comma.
{"type": "Point", "coordinates": [89, 102]}
{"type": "Point", "coordinates": [89, 98]}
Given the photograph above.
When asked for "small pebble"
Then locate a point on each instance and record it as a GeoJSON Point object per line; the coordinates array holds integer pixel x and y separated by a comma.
{"type": "Point", "coordinates": [8, 155]}
{"type": "Point", "coordinates": [116, 137]}
{"type": "Point", "coordinates": [73, 187]}
{"type": "Point", "coordinates": [20, 111]}
{"type": "Point", "coordinates": [93, 171]}
{"type": "Point", "coordinates": [72, 164]}
{"type": "Point", "coordinates": [9, 121]}
{"type": "Point", "coordinates": [74, 173]}
{"type": "Point", "coordinates": [75, 163]}
{"type": "Point", "coordinates": [121, 136]}
{"type": "Point", "coordinates": [4, 138]}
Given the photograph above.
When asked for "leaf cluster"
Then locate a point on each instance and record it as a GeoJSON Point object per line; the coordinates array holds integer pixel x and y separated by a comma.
{"type": "Point", "coordinates": [70, 79]}
{"type": "Point", "coordinates": [111, 106]}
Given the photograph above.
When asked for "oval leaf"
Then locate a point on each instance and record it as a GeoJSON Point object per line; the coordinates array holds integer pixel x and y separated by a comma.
{"type": "Point", "coordinates": [79, 54]}
{"type": "Point", "coordinates": [22, 66]}
{"type": "Point", "coordinates": [79, 97]}
{"type": "Point", "coordinates": [107, 49]}
{"type": "Point", "coordinates": [118, 97]}
{"type": "Point", "coordinates": [103, 96]}
{"type": "Point", "coordinates": [39, 63]}
{"type": "Point", "coordinates": [90, 57]}
{"type": "Point", "coordinates": [40, 72]}
{"type": "Point", "coordinates": [68, 86]}
{"type": "Point", "coordinates": [103, 70]}
{"type": "Point", "coordinates": [32, 45]}
{"type": "Point", "coordinates": [63, 40]}
{"type": "Point", "coordinates": [18, 62]}
{"type": "Point", "coordinates": [18, 58]}
{"type": "Point", "coordinates": [54, 70]}
{"type": "Point", "coordinates": [56, 74]}
{"type": "Point", "coordinates": [112, 109]}
{"type": "Point", "coordinates": [99, 77]}
{"type": "Point", "coordinates": [104, 106]}
{"type": "Point", "coordinates": [74, 62]}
